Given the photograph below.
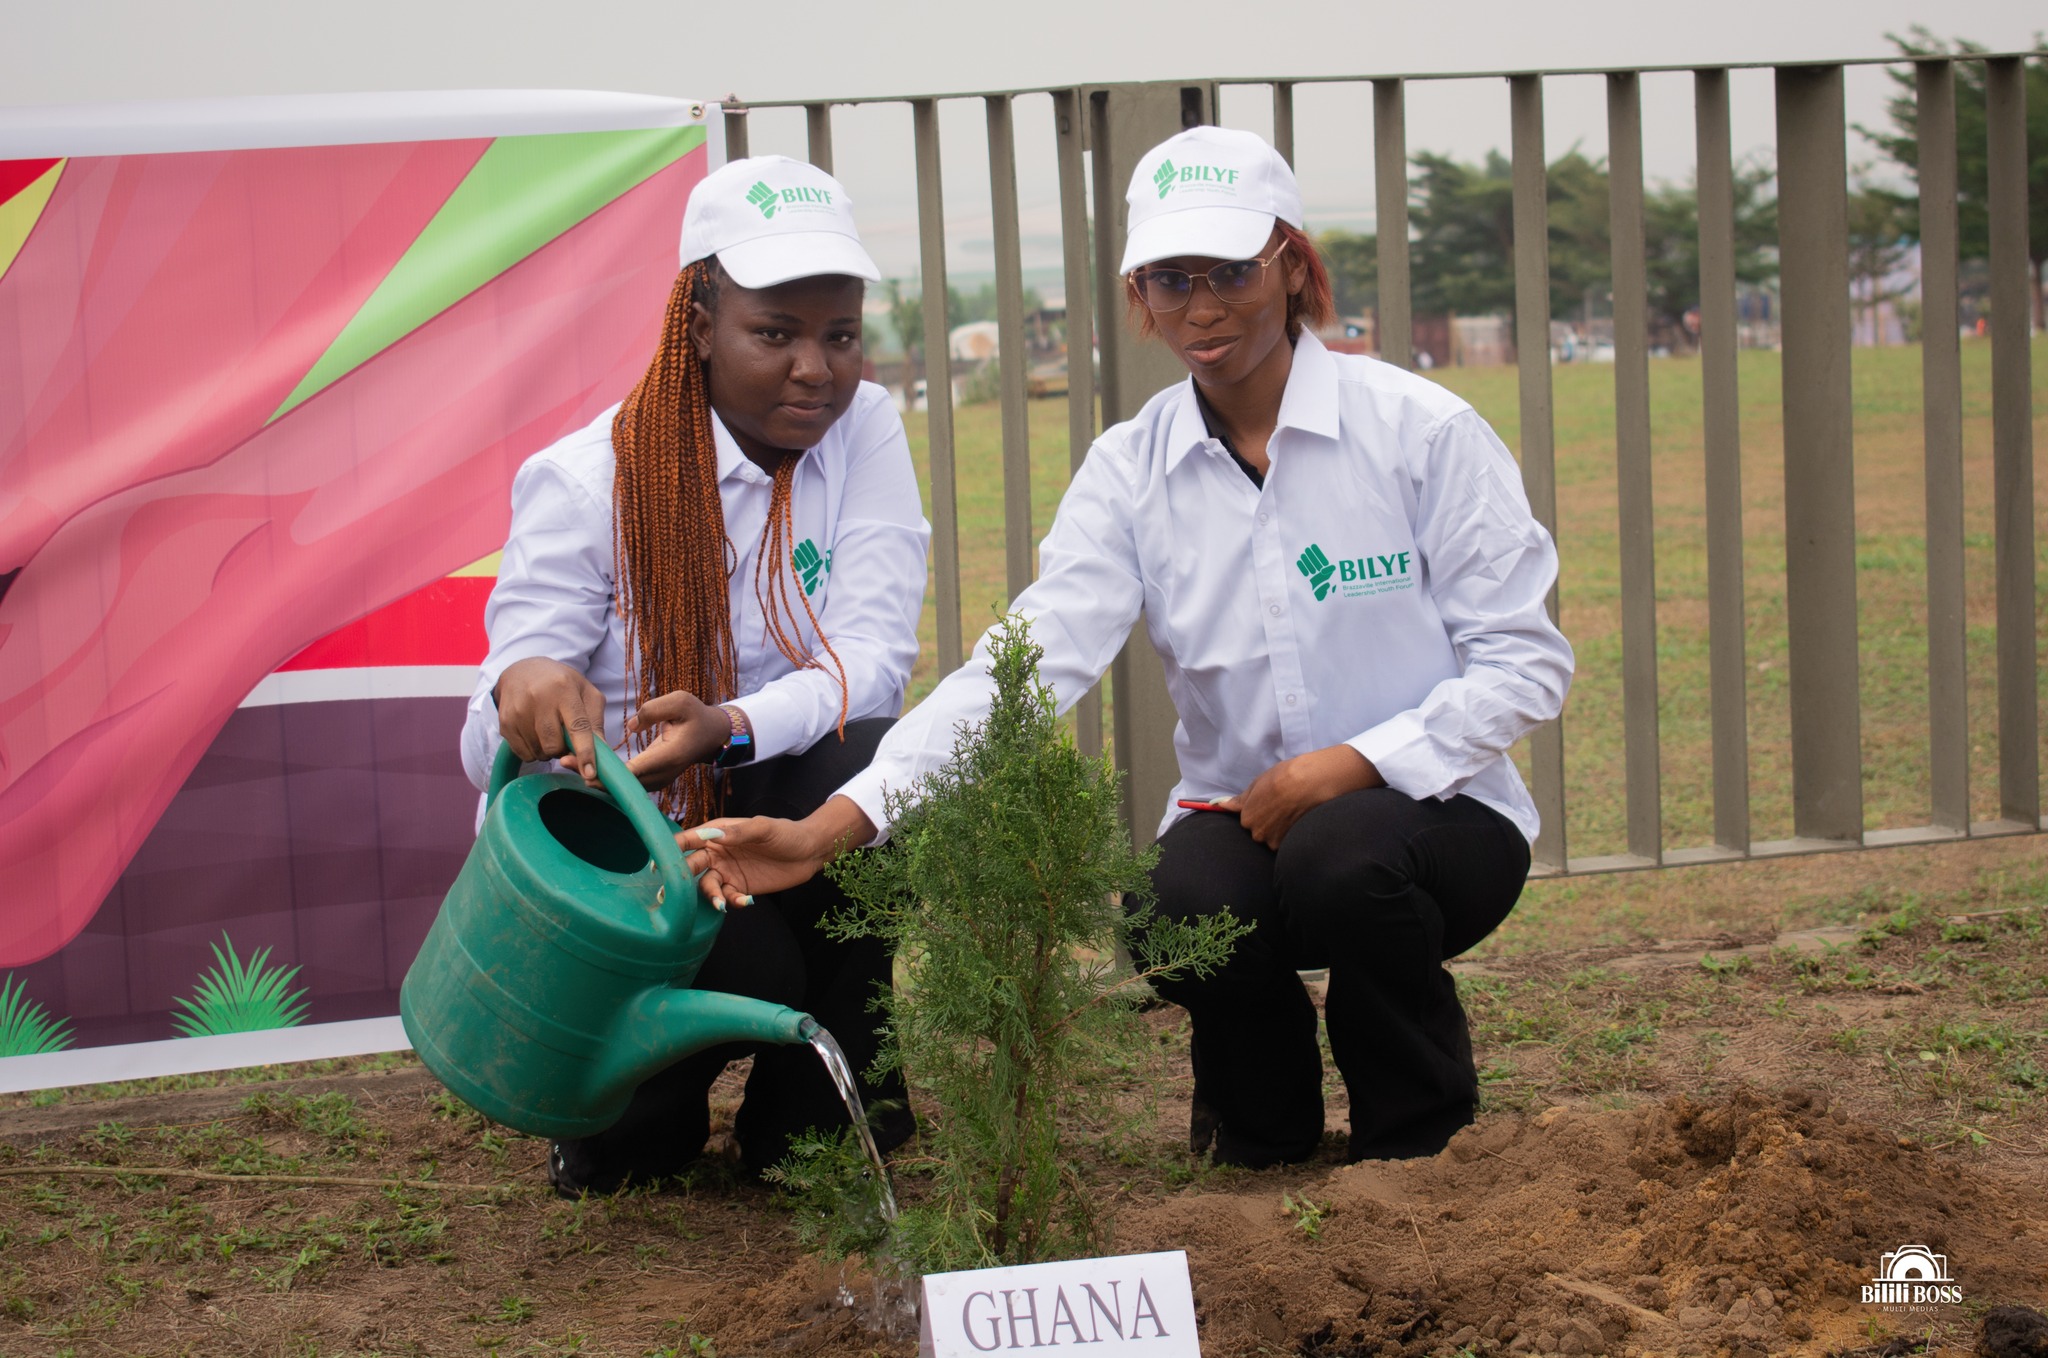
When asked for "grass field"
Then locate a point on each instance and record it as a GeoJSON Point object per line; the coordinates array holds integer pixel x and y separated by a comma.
{"type": "Point", "coordinates": [1891, 595]}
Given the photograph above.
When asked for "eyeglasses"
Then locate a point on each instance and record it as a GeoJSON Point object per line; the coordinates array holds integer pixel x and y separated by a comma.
{"type": "Point", "coordinates": [1237, 282]}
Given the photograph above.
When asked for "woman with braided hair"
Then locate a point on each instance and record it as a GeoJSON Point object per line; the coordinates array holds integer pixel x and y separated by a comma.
{"type": "Point", "coordinates": [723, 574]}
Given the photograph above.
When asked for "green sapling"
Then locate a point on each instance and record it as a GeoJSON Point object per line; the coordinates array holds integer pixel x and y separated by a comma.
{"type": "Point", "coordinates": [1008, 882]}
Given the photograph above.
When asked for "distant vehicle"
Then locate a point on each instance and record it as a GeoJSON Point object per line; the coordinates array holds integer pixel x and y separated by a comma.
{"type": "Point", "coordinates": [1050, 377]}
{"type": "Point", "coordinates": [1047, 379]}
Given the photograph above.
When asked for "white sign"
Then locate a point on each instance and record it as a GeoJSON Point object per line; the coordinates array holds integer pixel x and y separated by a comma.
{"type": "Point", "coordinates": [1128, 1306]}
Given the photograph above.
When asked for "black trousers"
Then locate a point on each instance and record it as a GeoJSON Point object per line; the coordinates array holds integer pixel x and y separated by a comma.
{"type": "Point", "coordinates": [771, 950]}
{"type": "Point", "coordinates": [1381, 889]}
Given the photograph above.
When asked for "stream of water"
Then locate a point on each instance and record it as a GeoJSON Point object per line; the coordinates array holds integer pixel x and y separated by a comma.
{"type": "Point", "coordinates": [891, 1308]}
{"type": "Point", "coordinates": [841, 1071]}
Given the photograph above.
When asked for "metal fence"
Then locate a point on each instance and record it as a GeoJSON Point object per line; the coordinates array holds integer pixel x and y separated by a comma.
{"type": "Point", "coordinates": [1106, 128]}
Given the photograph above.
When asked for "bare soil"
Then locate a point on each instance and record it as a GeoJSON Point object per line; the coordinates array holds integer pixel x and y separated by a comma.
{"type": "Point", "coordinates": [1696, 1147]}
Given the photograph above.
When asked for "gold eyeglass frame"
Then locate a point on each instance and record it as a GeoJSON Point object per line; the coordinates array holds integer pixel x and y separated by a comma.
{"type": "Point", "coordinates": [1138, 275]}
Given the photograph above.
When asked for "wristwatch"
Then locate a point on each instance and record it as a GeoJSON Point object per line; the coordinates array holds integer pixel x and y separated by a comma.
{"type": "Point", "coordinates": [739, 746]}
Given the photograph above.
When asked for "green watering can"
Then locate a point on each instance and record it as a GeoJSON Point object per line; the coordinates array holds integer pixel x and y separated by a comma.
{"type": "Point", "coordinates": [557, 976]}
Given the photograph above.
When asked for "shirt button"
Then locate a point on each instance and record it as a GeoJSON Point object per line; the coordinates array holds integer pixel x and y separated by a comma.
{"type": "Point", "coordinates": [1274, 610]}
{"type": "Point", "coordinates": [1290, 700]}
{"type": "Point", "coordinates": [1264, 517]}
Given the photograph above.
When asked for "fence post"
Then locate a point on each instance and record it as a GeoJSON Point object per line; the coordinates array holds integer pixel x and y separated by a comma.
{"type": "Point", "coordinates": [2012, 442]}
{"type": "Point", "coordinates": [1721, 414]}
{"type": "Point", "coordinates": [1011, 356]}
{"type": "Point", "coordinates": [1632, 465]}
{"type": "Point", "coordinates": [938, 381]}
{"type": "Point", "coordinates": [1283, 120]}
{"type": "Point", "coordinates": [818, 129]}
{"type": "Point", "coordinates": [1539, 470]}
{"type": "Point", "coordinates": [1394, 327]}
{"type": "Point", "coordinates": [1941, 385]}
{"type": "Point", "coordinates": [735, 129]}
{"type": "Point", "coordinates": [1820, 498]}
{"type": "Point", "coordinates": [1070, 124]}
{"type": "Point", "coordinates": [1126, 121]}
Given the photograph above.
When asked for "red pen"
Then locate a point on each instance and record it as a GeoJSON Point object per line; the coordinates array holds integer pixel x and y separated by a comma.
{"type": "Point", "coordinates": [1206, 806]}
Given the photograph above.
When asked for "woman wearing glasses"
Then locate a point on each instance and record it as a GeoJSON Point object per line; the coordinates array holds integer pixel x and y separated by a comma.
{"type": "Point", "coordinates": [1336, 562]}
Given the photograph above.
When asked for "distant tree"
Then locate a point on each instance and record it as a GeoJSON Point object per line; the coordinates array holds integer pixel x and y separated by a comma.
{"type": "Point", "coordinates": [1581, 239]}
{"type": "Point", "coordinates": [906, 318]}
{"type": "Point", "coordinates": [1671, 239]}
{"type": "Point", "coordinates": [1462, 216]}
{"type": "Point", "coordinates": [906, 312]}
{"type": "Point", "coordinates": [1463, 255]}
{"type": "Point", "coordinates": [980, 305]}
{"type": "Point", "coordinates": [1353, 260]}
{"type": "Point", "coordinates": [1902, 144]}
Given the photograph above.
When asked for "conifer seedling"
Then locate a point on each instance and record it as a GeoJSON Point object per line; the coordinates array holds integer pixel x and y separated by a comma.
{"type": "Point", "coordinates": [1007, 884]}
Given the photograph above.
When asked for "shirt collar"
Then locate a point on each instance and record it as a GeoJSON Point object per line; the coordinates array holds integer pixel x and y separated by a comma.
{"type": "Point", "coordinates": [1309, 403]}
{"type": "Point", "coordinates": [733, 465]}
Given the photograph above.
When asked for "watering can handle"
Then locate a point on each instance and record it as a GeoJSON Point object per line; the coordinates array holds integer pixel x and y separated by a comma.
{"type": "Point", "coordinates": [679, 886]}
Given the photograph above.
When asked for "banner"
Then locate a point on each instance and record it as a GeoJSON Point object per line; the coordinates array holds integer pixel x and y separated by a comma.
{"type": "Point", "coordinates": [267, 368]}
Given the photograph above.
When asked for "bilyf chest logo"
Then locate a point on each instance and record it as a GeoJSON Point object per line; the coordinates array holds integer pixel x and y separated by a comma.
{"type": "Point", "coordinates": [799, 199]}
{"type": "Point", "coordinates": [1912, 1278]}
{"type": "Point", "coordinates": [1197, 178]}
{"type": "Point", "coordinates": [1355, 577]}
{"type": "Point", "coordinates": [812, 566]}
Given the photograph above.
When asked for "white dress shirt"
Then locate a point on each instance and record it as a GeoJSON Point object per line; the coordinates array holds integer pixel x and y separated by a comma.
{"type": "Point", "coordinates": [1383, 589]}
{"type": "Point", "coordinates": [854, 500]}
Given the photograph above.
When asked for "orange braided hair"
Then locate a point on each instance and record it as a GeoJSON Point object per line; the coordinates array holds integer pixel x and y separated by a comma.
{"type": "Point", "coordinates": [775, 546]}
{"type": "Point", "coordinates": [675, 562]}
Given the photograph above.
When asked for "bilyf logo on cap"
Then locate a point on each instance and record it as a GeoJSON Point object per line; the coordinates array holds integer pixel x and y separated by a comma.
{"type": "Point", "coordinates": [1212, 178]}
{"type": "Point", "coordinates": [769, 201]}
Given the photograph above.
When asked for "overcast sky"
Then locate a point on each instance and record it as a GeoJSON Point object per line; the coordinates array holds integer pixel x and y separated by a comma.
{"type": "Point", "coordinates": [94, 50]}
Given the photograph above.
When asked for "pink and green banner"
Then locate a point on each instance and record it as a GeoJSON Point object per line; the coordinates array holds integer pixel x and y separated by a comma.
{"type": "Point", "coordinates": [267, 368]}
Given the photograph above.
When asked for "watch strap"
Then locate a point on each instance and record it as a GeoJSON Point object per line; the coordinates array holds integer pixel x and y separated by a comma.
{"type": "Point", "coordinates": [739, 744]}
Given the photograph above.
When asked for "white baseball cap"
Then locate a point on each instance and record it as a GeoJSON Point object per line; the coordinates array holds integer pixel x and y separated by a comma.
{"type": "Point", "coordinates": [1210, 191]}
{"type": "Point", "coordinates": [770, 219]}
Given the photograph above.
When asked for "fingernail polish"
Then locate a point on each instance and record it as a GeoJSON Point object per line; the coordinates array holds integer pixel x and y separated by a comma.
{"type": "Point", "coordinates": [710, 832]}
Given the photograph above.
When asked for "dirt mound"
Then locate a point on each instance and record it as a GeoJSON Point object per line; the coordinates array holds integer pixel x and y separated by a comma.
{"type": "Point", "coordinates": [1743, 1226]}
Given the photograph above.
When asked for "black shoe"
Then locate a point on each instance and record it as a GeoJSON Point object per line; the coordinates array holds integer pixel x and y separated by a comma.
{"type": "Point", "coordinates": [1247, 1155]}
{"type": "Point", "coordinates": [1423, 1137]}
{"type": "Point", "coordinates": [571, 1184]}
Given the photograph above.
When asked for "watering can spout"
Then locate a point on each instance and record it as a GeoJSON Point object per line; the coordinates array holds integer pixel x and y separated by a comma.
{"type": "Point", "coordinates": [662, 1026]}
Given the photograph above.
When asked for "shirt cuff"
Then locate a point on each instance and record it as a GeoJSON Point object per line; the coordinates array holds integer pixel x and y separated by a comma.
{"type": "Point", "coordinates": [777, 719]}
{"type": "Point", "coordinates": [1405, 757]}
{"type": "Point", "coordinates": [866, 790]}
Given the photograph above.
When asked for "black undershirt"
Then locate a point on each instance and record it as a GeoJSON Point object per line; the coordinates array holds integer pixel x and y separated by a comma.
{"type": "Point", "coordinates": [1215, 428]}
